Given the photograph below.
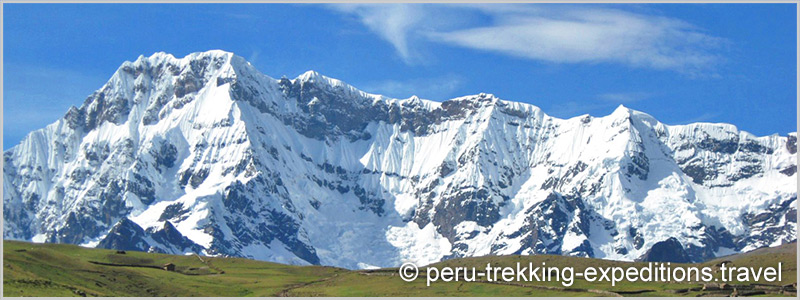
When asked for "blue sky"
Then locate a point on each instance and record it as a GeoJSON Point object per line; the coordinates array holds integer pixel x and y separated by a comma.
{"type": "Point", "coordinates": [681, 63]}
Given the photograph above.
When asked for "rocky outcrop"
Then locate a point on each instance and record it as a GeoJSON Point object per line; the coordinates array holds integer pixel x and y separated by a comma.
{"type": "Point", "coordinates": [669, 250]}
{"type": "Point", "coordinates": [205, 154]}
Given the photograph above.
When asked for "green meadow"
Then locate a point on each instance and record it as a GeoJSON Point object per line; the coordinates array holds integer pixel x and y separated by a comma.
{"type": "Point", "coordinates": [68, 270]}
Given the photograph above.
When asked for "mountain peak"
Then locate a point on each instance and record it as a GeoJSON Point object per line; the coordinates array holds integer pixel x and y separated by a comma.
{"type": "Point", "coordinates": [621, 110]}
{"type": "Point", "coordinates": [200, 54]}
{"type": "Point", "coordinates": [316, 79]}
{"type": "Point", "coordinates": [163, 57]}
{"type": "Point", "coordinates": [481, 97]}
{"type": "Point", "coordinates": [310, 75]}
{"type": "Point", "coordinates": [205, 154]}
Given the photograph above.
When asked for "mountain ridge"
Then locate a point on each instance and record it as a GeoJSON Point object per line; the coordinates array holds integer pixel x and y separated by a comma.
{"type": "Point", "coordinates": [312, 170]}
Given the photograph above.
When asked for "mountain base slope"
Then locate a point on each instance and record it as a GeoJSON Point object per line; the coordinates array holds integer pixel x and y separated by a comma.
{"type": "Point", "coordinates": [68, 270]}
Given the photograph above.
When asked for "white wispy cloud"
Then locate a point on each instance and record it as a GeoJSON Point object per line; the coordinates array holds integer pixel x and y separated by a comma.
{"type": "Point", "coordinates": [395, 23]}
{"type": "Point", "coordinates": [551, 33]}
{"type": "Point", "coordinates": [253, 58]}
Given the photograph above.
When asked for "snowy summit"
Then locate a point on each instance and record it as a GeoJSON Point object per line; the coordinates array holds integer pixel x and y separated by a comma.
{"type": "Point", "coordinates": [204, 154]}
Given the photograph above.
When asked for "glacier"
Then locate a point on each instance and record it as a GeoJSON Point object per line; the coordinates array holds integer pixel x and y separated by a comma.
{"type": "Point", "coordinates": [205, 154]}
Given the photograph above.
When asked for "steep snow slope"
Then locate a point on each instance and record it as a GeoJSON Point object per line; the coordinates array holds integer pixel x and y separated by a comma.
{"type": "Point", "coordinates": [206, 154]}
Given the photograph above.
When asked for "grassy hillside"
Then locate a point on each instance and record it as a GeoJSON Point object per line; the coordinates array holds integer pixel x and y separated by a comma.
{"type": "Point", "coordinates": [68, 270]}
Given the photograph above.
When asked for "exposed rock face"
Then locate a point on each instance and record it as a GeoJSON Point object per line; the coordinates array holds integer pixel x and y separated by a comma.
{"type": "Point", "coordinates": [669, 250]}
{"type": "Point", "coordinates": [127, 235]}
{"type": "Point", "coordinates": [205, 154]}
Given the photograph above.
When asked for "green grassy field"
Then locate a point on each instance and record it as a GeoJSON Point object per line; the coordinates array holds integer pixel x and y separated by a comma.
{"type": "Point", "coordinates": [68, 270]}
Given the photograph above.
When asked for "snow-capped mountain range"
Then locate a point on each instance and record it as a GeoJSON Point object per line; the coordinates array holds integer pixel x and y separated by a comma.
{"type": "Point", "coordinates": [205, 154]}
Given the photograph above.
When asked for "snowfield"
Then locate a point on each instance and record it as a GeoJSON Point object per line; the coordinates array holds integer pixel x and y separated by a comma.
{"type": "Point", "coordinates": [206, 154]}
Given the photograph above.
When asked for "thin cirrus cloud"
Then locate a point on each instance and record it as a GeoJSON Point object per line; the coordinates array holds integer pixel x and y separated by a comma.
{"type": "Point", "coordinates": [395, 23]}
{"type": "Point", "coordinates": [557, 34]}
